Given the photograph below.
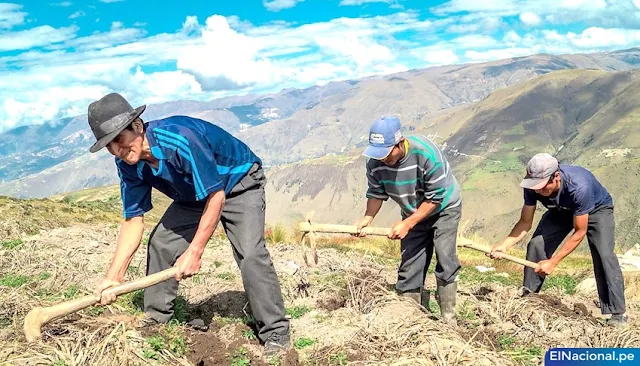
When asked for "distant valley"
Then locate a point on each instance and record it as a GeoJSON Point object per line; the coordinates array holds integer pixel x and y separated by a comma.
{"type": "Point", "coordinates": [489, 117]}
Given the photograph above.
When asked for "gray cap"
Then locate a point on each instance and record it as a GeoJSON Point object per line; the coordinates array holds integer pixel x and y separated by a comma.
{"type": "Point", "coordinates": [539, 169]}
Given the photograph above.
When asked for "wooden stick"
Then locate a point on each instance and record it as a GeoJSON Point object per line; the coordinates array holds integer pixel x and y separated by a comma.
{"type": "Point", "coordinates": [39, 316]}
{"type": "Point", "coordinates": [469, 244]}
{"type": "Point", "coordinates": [311, 239]}
{"type": "Point", "coordinates": [306, 227]}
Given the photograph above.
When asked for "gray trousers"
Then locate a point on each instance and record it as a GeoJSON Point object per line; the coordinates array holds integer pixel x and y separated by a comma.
{"type": "Point", "coordinates": [438, 232]}
{"type": "Point", "coordinates": [243, 219]}
{"type": "Point", "coordinates": [551, 232]}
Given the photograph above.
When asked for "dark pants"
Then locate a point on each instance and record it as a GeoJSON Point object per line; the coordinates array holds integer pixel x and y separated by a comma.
{"type": "Point", "coordinates": [243, 218]}
{"type": "Point", "coordinates": [551, 232]}
{"type": "Point", "coordinates": [438, 232]}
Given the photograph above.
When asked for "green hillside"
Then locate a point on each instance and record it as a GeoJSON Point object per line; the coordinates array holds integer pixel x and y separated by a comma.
{"type": "Point", "coordinates": [586, 117]}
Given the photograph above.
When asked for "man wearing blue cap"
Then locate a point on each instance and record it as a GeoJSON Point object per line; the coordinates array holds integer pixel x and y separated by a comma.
{"type": "Point", "coordinates": [415, 173]}
{"type": "Point", "coordinates": [575, 201]}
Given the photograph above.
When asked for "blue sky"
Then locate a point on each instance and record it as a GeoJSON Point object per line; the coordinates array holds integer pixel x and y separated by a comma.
{"type": "Point", "coordinates": [58, 56]}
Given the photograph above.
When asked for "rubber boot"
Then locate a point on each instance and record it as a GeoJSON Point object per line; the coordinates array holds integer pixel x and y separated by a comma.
{"type": "Point", "coordinates": [447, 293]}
{"type": "Point", "coordinates": [413, 295]}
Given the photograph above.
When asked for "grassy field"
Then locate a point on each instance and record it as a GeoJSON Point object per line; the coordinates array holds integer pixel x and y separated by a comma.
{"type": "Point", "coordinates": [343, 310]}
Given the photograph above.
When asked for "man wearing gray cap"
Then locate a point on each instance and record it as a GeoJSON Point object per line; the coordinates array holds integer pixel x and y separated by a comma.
{"type": "Point", "coordinates": [575, 200]}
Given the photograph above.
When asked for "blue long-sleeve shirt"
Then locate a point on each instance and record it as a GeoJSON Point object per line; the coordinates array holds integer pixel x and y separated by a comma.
{"type": "Point", "coordinates": [196, 158]}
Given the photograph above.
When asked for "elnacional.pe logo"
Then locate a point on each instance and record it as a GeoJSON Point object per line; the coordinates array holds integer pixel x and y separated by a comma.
{"type": "Point", "coordinates": [592, 356]}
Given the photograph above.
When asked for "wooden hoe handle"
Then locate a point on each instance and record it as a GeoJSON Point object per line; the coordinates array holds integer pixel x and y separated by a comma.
{"type": "Point", "coordinates": [306, 227]}
{"type": "Point", "coordinates": [524, 262]}
{"type": "Point", "coordinates": [39, 316]}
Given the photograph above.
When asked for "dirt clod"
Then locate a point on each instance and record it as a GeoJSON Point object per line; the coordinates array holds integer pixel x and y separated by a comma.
{"type": "Point", "coordinates": [482, 292]}
{"type": "Point", "coordinates": [332, 302]}
{"type": "Point", "coordinates": [206, 349]}
{"type": "Point", "coordinates": [291, 358]}
{"type": "Point", "coordinates": [581, 309]}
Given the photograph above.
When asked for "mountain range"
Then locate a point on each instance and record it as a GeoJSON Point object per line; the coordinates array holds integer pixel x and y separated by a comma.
{"type": "Point", "coordinates": [489, 117]}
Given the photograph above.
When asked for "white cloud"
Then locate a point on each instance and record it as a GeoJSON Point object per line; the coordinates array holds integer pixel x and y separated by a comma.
{"type": "Point", "coordinates": [494, 54]}
{"type": "Point", "coordinates": [592, 39]}
{"type": "Point", "coordinates": [217, 55]}
{"type": "Point", "coordinates": [360, 2]}
{"type": "Point", "coordinates": [160, 86]}
{"type": "Point", "coordinates": [440, 57]}
{"type": "Point", "coordinates": [77, 14]}
{"type": "Point", "coordinates": [582, 4]}
{"type": "Point", "coordinates": [35, 37]}
{"type": "Point", "coordinates": [190, 24]}
{"type": "Point", "coordinates": [636, 3]}
{"type": "Point", "coordinates": [42, 105]}
{"type": "Point", "coordinates": [110, 1]}
{"type": "Point", "coordinates": [103, 40]}
{"type": "Point", "coordinates": [277, 5]}
{"type": "Point", "coordinates": [63, 4]}
{"type": "Point", "coordinates": [516, 6]}
{"type": "Point", "coordinates": [363, 52]}
{"type": "Point", "coordinates": [222, 55]}
{"type": "Point", "coordinates": [458, 6]}
{"type": "Point", "coordinates": [470, 24]}
{"type": "Point", "coordinates": [611, 13]}
{"type": "Point", "coordinates": [530, 18]}
{"type": "Point", "coordinates": [474, 41]}
{"type": "Point", "coordinates": [599, 38]}
{"type": "Point", "coordinates": [226, 59]}
{"type": "Point", "coordinates": [511, 37]}
{"type": "Point", "coordinates": [10, 15]}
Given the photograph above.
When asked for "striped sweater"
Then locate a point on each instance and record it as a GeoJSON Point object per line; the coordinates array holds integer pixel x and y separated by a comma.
{"type": "Point", "coordinates": [423, 174]}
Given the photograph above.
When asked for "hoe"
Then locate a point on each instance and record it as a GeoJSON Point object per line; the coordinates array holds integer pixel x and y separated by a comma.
{"type": "Point", "coordinates": [308, 230]}
{"type": "Point", "coordinates": [39, 316]}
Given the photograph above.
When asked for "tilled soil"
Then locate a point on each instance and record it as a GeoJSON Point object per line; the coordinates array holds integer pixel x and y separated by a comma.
{"type": "Point", "coordinates": [579, 310]}
{"type": "Point", "coordinates": [342, 311]}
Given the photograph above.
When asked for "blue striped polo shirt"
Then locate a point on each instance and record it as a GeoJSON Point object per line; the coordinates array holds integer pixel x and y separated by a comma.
{"type": "Point", "coordinates": [196, 158]}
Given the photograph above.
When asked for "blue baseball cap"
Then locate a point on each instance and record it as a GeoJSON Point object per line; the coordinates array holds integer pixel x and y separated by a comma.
{"type": "Point", "coordinates": [383, 135]}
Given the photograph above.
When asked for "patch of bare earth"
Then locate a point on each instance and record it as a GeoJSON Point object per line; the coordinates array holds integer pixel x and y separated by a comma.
{"type": "Point", "coordinates": [343, 311]}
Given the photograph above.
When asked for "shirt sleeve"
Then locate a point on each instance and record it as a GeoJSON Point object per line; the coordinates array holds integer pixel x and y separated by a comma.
{"type": "Point", "coordinates": [197, 159]}
{"type": "Point", "coordinates": [375, 189]}
{"type": "Point", "coordinates": [530, 197]}
{"type": "Point", "coordinates": [583, 200]}
{"type": "Point", "coordinates": [134, 192]}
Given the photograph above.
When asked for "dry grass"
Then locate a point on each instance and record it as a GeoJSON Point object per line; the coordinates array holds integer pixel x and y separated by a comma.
{"type": "Point", "coordinates": [27, 217]}
{"type": "Point", "coordinates": [366, 322]}
{"type": "Point", "coordinates": [276, 234]}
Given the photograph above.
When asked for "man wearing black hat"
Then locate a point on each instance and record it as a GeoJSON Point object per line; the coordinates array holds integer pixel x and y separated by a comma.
{"type": "Point", "coordinates": [575, 201]}
{"type": "Point", "coordinates": [211, 176]}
